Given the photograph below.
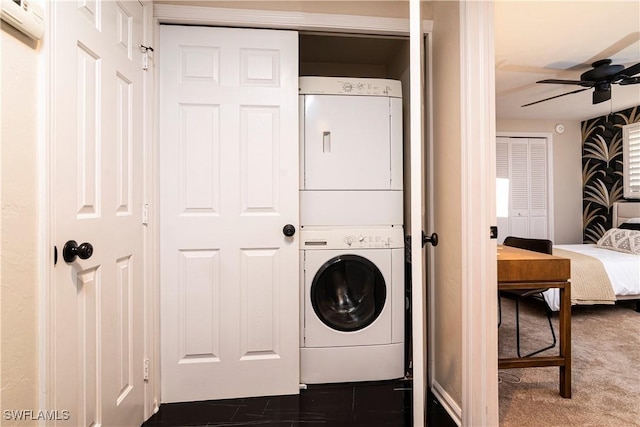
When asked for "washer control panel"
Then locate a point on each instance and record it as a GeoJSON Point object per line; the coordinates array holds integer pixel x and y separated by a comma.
{"type": "Point", "coordinates": [384, 237]}
{"type": "Point", "coordinates": [368, 241]}
{"type": "Point", "coordinates": [312, 85]}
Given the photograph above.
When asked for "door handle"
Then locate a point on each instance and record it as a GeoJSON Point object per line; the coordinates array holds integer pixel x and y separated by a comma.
{"type": "Point", "coordinates": [288, 230]}
{"type": "Point", "coordinates": [433, 239]}
{"type": "Point", "coordinates": [326, 142]}
{"type": "Point", "coordinates": [72, 250]}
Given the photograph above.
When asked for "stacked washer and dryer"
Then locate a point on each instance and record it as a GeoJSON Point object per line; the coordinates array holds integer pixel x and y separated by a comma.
{"type": "Point", "coordinates": [351, 238]}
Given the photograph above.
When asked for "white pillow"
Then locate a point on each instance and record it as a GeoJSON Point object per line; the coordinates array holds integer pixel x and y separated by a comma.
{"type": "Point", "coordinates": [633, 220]}
{"type": "Point", "coordinates": [627, 241]}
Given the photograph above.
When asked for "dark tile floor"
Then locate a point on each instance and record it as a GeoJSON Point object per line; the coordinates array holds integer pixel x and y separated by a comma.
{"type": "Point", "coordinates": [384, 403]}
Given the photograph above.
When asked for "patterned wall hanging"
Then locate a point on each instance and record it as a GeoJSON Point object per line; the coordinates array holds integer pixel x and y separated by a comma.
{"type": "Point", "coordinates": [602, 170]}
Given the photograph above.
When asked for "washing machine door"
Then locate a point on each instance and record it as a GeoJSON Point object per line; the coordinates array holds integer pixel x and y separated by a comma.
{"type": "Point", "coordinates": [348, 293]}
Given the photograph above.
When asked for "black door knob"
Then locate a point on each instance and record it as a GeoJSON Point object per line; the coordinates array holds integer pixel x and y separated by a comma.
{"type": "Point", "coordinates": [72, 250]}
{"type": "Point", "coordinates": [433, 239]}
{"type": "Point", "coordinates": [289, 230]}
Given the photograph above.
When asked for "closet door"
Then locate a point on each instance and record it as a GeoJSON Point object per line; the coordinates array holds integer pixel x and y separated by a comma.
{"type": "Point", "coordinates": [228, 185]}
{"type": "Point", "coordinates": [519, 187]}
{"type": "Point", "coordinates": [538, 192]}
{"type": "Point", "coordinates": [522, 187]}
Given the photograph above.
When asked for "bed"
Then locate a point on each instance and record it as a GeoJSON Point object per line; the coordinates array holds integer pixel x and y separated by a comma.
{"type": "Point", "coordinates": [593, 267]}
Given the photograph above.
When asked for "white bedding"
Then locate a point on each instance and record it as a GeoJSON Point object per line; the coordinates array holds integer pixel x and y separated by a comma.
{"type": "Point", "coordinates": [623, 270]}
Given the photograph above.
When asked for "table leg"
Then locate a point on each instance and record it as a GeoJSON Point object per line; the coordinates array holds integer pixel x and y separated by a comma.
{"type": "Point", "coordinates": [565, 340]}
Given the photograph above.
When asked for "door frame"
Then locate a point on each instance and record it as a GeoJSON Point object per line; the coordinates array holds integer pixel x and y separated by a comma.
{"type": "Point", "coordinates": [480, 398]}
{"type": "Point", "coordinates": [318, 22]}
{"type": "Point", "coordinates": [46, 221]}
{"type": "Point", "coordinates": [479, 256]}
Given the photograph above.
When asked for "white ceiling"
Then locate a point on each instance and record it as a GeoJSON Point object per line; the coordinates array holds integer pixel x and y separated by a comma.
{"type": "Point", "coordinates": [536, 40]}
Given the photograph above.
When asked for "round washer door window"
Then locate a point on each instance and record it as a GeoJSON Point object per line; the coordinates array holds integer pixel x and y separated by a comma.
{"type": "Point", "coordinates": [348, 293]}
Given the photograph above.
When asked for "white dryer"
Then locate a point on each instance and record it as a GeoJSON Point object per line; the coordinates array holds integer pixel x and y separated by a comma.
{"type": "Point", "coordinates": [352, 304]}
{"type": "Point", "coordinates": [350, 151]}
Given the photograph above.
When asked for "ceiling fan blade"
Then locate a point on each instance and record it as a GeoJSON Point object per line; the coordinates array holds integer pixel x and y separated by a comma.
{"type": "Point", "coordinates": [563, 82]}
{"type": "Point", "coordinates": [629, 81]}
{"type": "Point", "coordinates": [630, 71]}
{"type": "Point", "coordinates": [554, 97]}
{"type": "Point", "coordinates": [601, 95]}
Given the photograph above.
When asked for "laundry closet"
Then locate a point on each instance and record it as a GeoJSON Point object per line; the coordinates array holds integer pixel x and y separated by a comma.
{"type": "Point", "coordinates": [351, 211]}
{"type": "Point", "coordinates": [235, 313]}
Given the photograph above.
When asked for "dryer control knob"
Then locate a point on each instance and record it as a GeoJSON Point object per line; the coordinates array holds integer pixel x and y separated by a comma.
{"type": "Point", "coordinates": [348, 240]}
{"type": "Point", "coordinates": [360, 238]}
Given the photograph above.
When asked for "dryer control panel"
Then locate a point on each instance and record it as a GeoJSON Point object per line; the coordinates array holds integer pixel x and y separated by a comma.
{"type": "Point", "coordinates": [350, 86]}
{"type": "Point", "coordinates": [351, 238]}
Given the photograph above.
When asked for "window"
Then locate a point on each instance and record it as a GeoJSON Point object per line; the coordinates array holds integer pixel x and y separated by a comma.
{"type": "Point", "coordinates": [631, 156]}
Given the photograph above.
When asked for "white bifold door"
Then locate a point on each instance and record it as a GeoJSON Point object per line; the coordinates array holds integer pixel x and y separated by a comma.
{"type": "Point", "coordinates": [522, 173]}
{"type": "Point", "coordinates": [228, 186]}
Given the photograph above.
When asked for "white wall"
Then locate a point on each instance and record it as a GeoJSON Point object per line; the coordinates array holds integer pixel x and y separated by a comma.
{"type": "Point", "coordinates": [19, 301]}
{"type": "Point", "coordinates": [567, 174]}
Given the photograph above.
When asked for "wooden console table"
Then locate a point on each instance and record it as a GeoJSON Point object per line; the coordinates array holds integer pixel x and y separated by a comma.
{"type": "Point", "coordinates": [519, 269]}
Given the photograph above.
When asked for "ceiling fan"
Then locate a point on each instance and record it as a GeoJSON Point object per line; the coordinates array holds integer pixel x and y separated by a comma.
{"type": "Point", "coordinates": [600, 78]}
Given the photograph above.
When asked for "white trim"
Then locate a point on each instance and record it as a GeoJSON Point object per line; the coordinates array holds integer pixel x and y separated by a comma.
{"type": "Point", "coordinates": [524, 134]}
{"type": "Point", "coordinates": [300, 21]}
{"type": "Point", "coordinates": [416, 143]}
{"type": "Point", "coordinates": [479, 265]}
{"type": "Point", "coordinates": [628, 192]}
{"type": "Point", "coordinates": [430, 206]}
{"type": "Point", "coordinates": [550, 202]}
{"type": "Point", "coordinates": [447, 402]}
{"type": "Point", "coordinates": [276, 19]}
{"type": "Point", "coordinates": [151, 296]}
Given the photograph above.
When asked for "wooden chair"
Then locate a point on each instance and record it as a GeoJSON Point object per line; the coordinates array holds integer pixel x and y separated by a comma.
{"type": "Point", "coordinates": [536, 245]}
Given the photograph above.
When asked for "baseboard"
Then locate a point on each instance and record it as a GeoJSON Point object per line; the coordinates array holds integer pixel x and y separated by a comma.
{"type": "Point", "coordinates": [447, 403]}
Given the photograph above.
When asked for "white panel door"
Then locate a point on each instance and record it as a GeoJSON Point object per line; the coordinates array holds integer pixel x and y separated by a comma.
{"type": "Point", "coordinates": [347, 143]}
{"type": "Point", "coordinates": [229, 184]}
{"type": "Point", "coordinates": [98, 331]}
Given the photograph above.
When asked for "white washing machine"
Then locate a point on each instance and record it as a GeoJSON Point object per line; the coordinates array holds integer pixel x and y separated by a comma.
{"type": "Point", "coordinates": [351, 151]}
{"type": "Point", "coordinates": [352, 304]}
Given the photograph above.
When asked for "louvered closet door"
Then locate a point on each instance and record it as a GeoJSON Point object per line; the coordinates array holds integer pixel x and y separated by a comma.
{"type": "Point", "coordinates": [519, 187]}
{"type": "Point", "coordinates": [538, 197]}
{"type": "Point", "coordinates": [522, 174]}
